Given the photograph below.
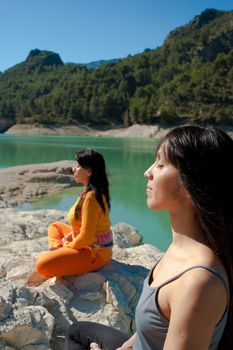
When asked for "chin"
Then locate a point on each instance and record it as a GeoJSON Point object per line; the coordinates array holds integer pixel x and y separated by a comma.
{"type": "Point", "coordinates": [153, 206]}
{"type": "Point", "coordinates": [149, 204]}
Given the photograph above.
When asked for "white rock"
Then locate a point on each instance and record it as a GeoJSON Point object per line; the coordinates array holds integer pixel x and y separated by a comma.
{"type": "Point", "coordinates": [125, 236]}
{"type": "Point", "coordinates": [29, 325]}
{"type": "Point", "coordinates": [37, 318]}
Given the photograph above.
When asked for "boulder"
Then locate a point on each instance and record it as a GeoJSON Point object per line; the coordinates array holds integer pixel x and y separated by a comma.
{"type": "Point", "coordinates": [38, 317]}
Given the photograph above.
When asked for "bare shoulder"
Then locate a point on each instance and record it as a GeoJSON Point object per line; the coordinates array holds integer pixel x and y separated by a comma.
{"type": "Point", "coordinates": [203, 281]}
{"type": "Point", "coordinates": [201, 289]}
{"type": "Point", "coordinates": [197, 302]}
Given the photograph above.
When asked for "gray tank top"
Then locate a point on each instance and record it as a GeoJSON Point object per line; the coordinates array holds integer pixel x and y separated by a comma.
{"type": "Point", "coordinates": [152, 326]}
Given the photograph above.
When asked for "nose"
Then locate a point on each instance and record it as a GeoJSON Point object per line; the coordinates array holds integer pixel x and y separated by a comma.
{"type": "Point", "coordinates": [148, 173]}
{"type": "Point", "coordinates": [74, 168]}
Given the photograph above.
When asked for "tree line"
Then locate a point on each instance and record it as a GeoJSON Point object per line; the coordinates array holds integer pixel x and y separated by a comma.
{"type": "Point", "coordinates": [188, 79]}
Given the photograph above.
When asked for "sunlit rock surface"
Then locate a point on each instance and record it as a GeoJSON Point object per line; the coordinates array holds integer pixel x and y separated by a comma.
{"type": "Point", "coordinates": [24, 182]}
{"type": "Point", "coordinates": [37, 317]}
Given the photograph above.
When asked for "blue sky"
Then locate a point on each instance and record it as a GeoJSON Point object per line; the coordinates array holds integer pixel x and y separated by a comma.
{"type": "Point", "coordinates": [82, 31]}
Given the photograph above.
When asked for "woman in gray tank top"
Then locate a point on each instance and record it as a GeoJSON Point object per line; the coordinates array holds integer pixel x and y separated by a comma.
{"type": "Point", "coordinates": [186, 302]}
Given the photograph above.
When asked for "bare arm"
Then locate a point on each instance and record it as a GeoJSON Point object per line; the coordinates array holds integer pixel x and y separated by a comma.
{"type": "Point", "coordinates": [197, 305]}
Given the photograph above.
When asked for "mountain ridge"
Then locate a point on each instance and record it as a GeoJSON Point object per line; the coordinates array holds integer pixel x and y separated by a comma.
{"type": "Point", "coordinates": [187, 79]}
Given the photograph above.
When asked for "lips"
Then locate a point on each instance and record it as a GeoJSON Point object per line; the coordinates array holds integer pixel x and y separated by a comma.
{"type": "Point", "coordinates": [148, 189]}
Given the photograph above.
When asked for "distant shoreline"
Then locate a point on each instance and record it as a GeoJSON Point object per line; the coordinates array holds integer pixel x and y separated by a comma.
{"type": "Point", "coordinates": [136, 130]}
{"type": "Point", "coordinates": [83, 130]}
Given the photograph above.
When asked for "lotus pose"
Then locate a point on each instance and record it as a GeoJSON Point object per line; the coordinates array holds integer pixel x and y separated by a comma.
{"type": "Point", "coordinates": [86, 243]}
{"type": "Point", "coordinates": [186, 301]}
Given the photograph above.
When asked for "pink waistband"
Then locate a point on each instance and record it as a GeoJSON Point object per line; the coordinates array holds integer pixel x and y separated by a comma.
{"type": "Point", "coordinates": [104, 238]}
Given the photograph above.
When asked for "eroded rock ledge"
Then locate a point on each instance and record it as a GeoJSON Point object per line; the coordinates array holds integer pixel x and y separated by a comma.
{"type": "Point", "coordinates": [36, 318]}
{"type": "Point", "coordinates": [24, 182]}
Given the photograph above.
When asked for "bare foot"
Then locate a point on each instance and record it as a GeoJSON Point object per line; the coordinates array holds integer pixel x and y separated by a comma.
{"type": "Point", "coordinates": [35, 280]}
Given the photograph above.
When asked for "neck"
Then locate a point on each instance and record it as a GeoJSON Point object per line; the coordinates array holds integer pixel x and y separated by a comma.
{"type": "Point", "coordinates": [186, 229]}
{"type": "Point", "coordinates": [86, 186]}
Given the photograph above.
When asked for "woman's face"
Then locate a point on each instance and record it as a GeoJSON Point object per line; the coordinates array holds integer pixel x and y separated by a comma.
{"type": "Point", "coordinates": [164, 188]}
{"type": "Point", "coordinates": [81, 174]}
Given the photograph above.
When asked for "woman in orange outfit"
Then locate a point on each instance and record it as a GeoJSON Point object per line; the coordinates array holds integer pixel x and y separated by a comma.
{"type": "Point", "coordinates": [86, 243]}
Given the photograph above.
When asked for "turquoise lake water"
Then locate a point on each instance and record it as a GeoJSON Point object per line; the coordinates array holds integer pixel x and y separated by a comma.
{"type": "Point", "coordinates": [126, 160]}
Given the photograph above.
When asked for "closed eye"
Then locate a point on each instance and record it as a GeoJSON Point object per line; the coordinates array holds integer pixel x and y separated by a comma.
{"type": "Point", "coordinates": [160, 165]}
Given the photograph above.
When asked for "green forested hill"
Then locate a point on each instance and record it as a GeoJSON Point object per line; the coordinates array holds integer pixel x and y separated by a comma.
{"type": "Point", "coordinates": [189, 78]}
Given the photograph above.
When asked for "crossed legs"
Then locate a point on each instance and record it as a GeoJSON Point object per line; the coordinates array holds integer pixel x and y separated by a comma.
{"type": "Point", "coordinates": [82, 334]}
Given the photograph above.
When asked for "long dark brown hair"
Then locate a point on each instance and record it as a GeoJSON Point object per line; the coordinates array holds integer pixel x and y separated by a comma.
{"type": "Point", "coordinates": [98, 182]}
{"type": "Point", "coordinates": [204, 158]}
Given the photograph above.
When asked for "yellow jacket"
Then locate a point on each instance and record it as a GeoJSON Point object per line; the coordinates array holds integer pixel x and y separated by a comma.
{"type": "Point", "coordinates": [91, 221]}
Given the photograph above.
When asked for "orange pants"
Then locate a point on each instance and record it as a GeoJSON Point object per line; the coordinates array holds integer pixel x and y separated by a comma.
{"type": "Point", "coordinates": [67, 261]}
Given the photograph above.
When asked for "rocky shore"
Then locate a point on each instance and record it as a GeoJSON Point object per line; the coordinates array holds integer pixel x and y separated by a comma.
{"type": "Point", "coordinates": [36, 317]}
{"type": "Point", "coordinates": [136, 130]}
{"type": "Point", "coordinates": [131, 131]}
{"type": "Point", "coordinates": [21, 183]}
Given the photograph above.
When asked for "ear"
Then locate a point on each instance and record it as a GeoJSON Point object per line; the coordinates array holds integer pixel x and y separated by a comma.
{"type": "Point", "coordinates": [89, 172]}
